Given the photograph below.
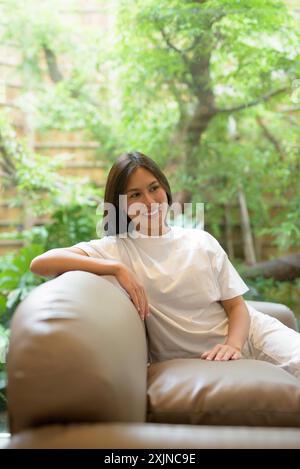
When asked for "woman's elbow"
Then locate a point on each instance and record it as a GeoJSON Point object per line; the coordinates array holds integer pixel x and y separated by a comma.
{"type": "Point", "coordinates": [35, 265]}
{"type": "Point", "coordinates": [46, 264]}
{"type": "Point", "coordinates": [39, 263]}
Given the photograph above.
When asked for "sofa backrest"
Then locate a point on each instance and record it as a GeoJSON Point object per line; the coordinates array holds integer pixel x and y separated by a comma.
{"type": "Point", "coordinates": [278, 311]}
{"type": "Point", "coordinates": [75, 358]}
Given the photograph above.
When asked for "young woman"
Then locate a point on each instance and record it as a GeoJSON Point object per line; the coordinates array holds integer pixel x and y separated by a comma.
{"type": "Point", "coordinates": [180, 280]}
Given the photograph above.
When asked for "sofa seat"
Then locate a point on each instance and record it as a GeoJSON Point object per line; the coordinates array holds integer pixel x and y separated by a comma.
{"type": "Point", "coordinates": [238, 392]}
{"type": "Point", "coordinates": [78, 378]}
{"type": "Point", "coordinates": [150, 435]}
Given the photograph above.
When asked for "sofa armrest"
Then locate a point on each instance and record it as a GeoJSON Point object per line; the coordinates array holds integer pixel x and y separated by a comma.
{"type": "Point", "coordinates": [77, 353]}
{"type": "Point", "coordinates": [279, 311]}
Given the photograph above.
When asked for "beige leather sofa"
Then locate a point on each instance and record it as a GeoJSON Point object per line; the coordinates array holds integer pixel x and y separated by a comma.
{"type": "Point", "coordinates": [78, 378]}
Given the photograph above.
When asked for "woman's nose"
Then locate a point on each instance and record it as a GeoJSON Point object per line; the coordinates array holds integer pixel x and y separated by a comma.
{"type": "Point", "coordinates": [148, 199]}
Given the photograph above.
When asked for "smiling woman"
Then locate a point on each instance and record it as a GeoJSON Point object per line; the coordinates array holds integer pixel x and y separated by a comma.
{"type": "Point", "coordinates": [180, 279]}
{"type": "Point", "coordinates": [140, 193]}
{"type": "Point", "coordinates": [147, 205]}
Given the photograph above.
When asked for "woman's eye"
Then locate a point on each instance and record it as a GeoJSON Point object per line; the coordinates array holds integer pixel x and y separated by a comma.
{"type": "Point", "coordinates": [134, 195]}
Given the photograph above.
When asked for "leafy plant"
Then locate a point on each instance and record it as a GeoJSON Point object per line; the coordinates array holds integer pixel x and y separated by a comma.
{"type": "Point", "coordinates": [268, 289]}
{"type": "Point", "coordinates": [16, 280]}
{"type": "Point", "coordinates": [70, 225]}
{"type": "Point", "coordinates": [4, 337]}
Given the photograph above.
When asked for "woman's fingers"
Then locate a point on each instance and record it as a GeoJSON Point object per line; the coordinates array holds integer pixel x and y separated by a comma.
{"type": "Point", "coordinates": [210, 354]}
{"type": "Point", "coordinates": [146, 304]}
{"type": "Point", "coordinates": [147, 307]}
{"type": "Point", "coordinates": [135, 290]}
{"type": "Point", "coordinates": [143, 301]}
{"type": "Point", "coordinates": [135, 299]}
{"type": "Point", "coordinates": [140, 301]}
{"type": "Point", "coordinates": [221, 353]}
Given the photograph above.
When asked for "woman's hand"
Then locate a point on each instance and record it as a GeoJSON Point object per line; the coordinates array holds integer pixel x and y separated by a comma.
{"type": "Point", "coordinates": [136, 291]}
{"type": "Point", "coordinates": [222, 352]}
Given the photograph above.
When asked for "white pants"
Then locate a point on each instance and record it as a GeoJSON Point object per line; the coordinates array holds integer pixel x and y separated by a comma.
{"type": "Point", "coordinates": [270, 340]}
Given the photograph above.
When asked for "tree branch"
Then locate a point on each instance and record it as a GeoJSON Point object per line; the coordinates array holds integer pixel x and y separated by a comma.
{"type": "Point", "coordinates": [54, 72]}
{"type": "Point", "coordinates": [265, 97]}
{"type": "Point", "coordinates": [169, 44]}
{"type": "Point", "coordinates": [269, 136]}
{"type": "Point", "coordinates": [290, 109]}
{"type": "Point", "coordinates": [184, 58]}
{"type": "Point", "coordinates": [6, 162]}
{"type": "Point", "coordinates": [283, 268]}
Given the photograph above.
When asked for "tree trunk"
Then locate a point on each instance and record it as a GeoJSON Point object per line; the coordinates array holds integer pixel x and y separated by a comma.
{"type": "Point", "coordinates": [228, 232]}
{"type": "Point", "coordinates": [204, 109]}
{"type": "Point", "coordinates": [248, 244]}
{"type": "Point", "coordinates": [195, 129]}
{"type": "Point", "coordinates": [258, 244]}
{"type": "Point", "coordinates": [284, 268]}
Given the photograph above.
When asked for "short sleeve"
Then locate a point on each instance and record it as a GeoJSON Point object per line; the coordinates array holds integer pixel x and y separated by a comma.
{"type": "Point", "coordinates": [229, 283]}
{"type": "Point", "coordinates": [105, 248]}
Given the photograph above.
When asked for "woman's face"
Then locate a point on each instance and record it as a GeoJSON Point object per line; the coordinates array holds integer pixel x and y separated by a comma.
{"type": "Point", "coordinates": [147, 202]}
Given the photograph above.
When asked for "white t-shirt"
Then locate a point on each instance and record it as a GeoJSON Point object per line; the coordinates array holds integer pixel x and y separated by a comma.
{"type": "Point", "coordinates": [186, 273]}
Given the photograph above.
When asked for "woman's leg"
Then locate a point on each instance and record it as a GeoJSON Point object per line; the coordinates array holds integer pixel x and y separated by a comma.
{"type": "Point", "coordinates": [272, 341]}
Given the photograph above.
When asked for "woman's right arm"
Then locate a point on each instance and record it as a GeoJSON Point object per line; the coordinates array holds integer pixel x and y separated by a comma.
{"type": "Point", "coordinates": [60, 260]}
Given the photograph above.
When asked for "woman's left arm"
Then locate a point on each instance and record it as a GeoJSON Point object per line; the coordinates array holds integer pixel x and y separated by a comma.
{"type": "Point", "coordinates": [238, 330]}
{"type": "Point", "coordinates": [238, 321]}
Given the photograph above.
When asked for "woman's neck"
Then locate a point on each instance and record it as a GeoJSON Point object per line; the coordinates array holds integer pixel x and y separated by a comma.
{"type": "Point", "coordinates": [154, 231]}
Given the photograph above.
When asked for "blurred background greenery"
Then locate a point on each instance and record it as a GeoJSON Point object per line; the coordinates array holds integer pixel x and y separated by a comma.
{"type": "Point", "coordinates": [210, 90]}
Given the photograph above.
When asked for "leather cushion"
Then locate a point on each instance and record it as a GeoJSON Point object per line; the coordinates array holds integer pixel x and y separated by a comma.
{"type": "Point", "coordinates": [72, 357]}
{"type": "Point", "coordinates": [237, 392]}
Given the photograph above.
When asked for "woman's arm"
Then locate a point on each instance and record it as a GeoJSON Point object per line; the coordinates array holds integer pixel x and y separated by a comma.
{"type": "Point", "coordinates": [238, 330]}
{"type": "Point", "coordinates": [238, 321]}
{"type": "Point", "coordinates": [58, 261]}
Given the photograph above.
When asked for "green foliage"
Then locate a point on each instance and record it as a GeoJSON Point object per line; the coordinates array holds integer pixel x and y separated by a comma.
{"type": "Point", "coordinates": [71, 225]}
{"type": "Point", "coordinates": [250, 51]}
{"type": "Point", "coordinates": [46, 41]}
{"type": "Point", "coordinates": [16, 280]}
{"type": "Point", "coordinates": [138, 86]}
{"type": "Point", "coordinates": [135, 88]}
{"type": "Point", "coordinates": [165, 38]}
{"type": "Point", "coordinates": [35, 25]}
{"type": "Point", "coordinates": [70, 202]}
{"type": "Point", "coordinates": [3, 400]}
{"type": "Point", "coordinates": [287, 293]}
{"type": "Point", "coordinates": [34, 175]}
{"type": "Point", "coordinates": [37, 179]}
{"type": "Point", "coordinates": [4, 337]}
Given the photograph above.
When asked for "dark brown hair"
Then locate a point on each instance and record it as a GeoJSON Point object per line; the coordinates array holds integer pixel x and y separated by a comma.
{"type": "Point", "coordinates": [116, 184]}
